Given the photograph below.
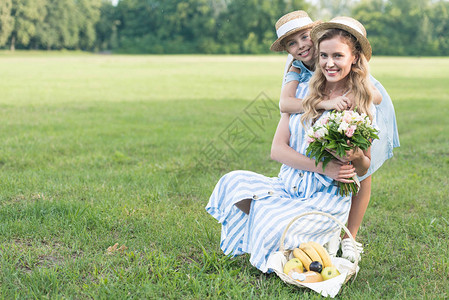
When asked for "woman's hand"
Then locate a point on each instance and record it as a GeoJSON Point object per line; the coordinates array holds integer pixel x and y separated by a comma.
{"type": "Point", "coordinates": [360, 159]}
{"type": "Point", "coordinates": [352, 154]}
{"type": "Point", "coordinates": [340, 171]}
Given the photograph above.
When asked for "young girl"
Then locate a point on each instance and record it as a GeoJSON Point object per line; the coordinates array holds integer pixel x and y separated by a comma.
{"type": "Point", "coordinates": [295, 87]}
{"type": "Point", "coordinates": [271, 203]}
{"type": "Point", "coordinates": [293, 30]}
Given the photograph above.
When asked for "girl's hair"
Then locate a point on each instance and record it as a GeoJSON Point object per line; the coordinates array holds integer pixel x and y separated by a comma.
{"type": "Point", "coordinates": [358, 78]}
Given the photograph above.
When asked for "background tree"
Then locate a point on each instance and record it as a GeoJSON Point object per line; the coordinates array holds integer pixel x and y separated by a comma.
{"type": "Point", "coordinates": [60, 28]}
{"type": "Point", "coordinates": [373, 15]}
{"type": "Point", "coordinates": [6, 21]}
{"type": "Point", "coordinates": [395, 27]}
{"type": "Point", "coordinates": [439, 17]}
{"type": "Point", "coordinates": [137, 22]}
{"type": "Point", "coordinates": [106, 27]}
{"type": "Point", "coordinates": [87, 14]}
{"type": "Point", "coordinates": [327, 9]}
{"type": "Point", "coordinates": [405, 27]}
{"type": "Point", "coordinates": [248, 26]}
{"type": "Point", "coordinates": [27, 15]}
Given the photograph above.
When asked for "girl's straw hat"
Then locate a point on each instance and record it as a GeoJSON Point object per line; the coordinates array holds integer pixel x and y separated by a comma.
{"type": "Point", "coordinates": [289, 24]}
{"type": "Point", "coordinates": [348, 24]}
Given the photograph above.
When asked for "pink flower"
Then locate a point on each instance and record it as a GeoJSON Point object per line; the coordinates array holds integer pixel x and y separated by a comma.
{"type": "Point", "coordinates": [310, 140]}
{"type": "Point", "coordinates": [324, 120]}
{"type": "Point", "coordinates": [350, 130]}
{"type": "Point", "coordinates": [347, 117]}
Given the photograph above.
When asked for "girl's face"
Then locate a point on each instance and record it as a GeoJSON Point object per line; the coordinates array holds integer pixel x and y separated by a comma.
{"type": "Point", "coordinates": [300, 46]}
{"type": "Point", "coordinates": [335, 59]}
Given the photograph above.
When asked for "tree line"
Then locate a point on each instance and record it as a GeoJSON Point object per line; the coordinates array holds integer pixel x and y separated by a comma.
{"type": "Point", "coordinates": [395, 27]}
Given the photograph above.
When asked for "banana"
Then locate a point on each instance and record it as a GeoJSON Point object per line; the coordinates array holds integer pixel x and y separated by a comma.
{"type": "Point", "coordinates": [306, 261]}
{"type": "Point", "coordinates": [322, 253]}
{"type": "Point", "coordinates": [310, 251]}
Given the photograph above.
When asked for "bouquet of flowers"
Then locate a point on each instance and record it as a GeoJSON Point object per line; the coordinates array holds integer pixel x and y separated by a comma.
{"type": "Point", "coordinates": [331, 133]}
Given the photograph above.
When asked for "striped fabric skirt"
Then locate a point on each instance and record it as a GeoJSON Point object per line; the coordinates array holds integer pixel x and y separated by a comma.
{"type": "Point", "coordinates": [272, 207]}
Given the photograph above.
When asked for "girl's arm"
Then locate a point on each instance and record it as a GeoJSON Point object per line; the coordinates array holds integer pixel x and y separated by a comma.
{"type": "Point", "coordinates": [283, 153]}
{"type": "Point", "coordinates": [377, 96]}
{"type": "Point", "coordinates": [290, 104]}
{"type": "Point", "coordinates": [338, 103]}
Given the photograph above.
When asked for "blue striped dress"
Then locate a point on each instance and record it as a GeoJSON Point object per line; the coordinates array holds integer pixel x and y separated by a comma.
{"type": "Point", "coordinates": [275, 202]}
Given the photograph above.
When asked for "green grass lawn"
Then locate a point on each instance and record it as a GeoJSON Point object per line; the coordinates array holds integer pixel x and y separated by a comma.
{"type": "Point", "coordinates": [98, 150]}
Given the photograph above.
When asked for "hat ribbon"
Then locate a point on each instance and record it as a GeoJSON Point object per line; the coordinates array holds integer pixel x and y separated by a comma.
{"type": "Point", "coordinates": [293, 24]}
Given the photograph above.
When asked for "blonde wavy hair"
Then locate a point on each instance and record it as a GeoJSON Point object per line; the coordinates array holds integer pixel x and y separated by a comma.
{"type": "Point", "coordinates": [358, 78]}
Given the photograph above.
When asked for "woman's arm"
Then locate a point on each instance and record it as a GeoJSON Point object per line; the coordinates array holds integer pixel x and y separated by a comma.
{"type": "Point", "coordinates": [283, 153]}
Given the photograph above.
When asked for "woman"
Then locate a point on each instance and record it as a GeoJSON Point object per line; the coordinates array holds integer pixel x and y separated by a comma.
{"type": "Point", "coordinates": [254, 209]}
{"type": "Point", "coordinates": [295, 88]}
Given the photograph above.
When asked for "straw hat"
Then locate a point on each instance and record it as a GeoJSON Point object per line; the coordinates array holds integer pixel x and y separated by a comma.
{"type": "Point", "coordinates": [348, 24]}
{"type": "Point", "coordinates": [289, 24]}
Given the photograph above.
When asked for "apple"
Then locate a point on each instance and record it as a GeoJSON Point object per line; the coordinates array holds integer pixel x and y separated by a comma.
{"type": "Point", "coordinates": [329, 272]}
{"type": "Point", "coordinates": [293, 263]}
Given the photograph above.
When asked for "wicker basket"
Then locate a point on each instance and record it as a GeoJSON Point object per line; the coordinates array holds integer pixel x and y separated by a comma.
{"type": "Point", "coordinates": [330, 287]}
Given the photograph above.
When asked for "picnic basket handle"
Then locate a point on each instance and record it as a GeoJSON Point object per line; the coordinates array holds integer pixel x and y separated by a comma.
{"type": "Point", "coordinates": [281, 246]}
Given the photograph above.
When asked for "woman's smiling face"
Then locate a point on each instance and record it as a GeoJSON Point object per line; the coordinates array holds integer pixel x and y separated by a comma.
{"type": "Point", "coordinates": [335, 59]}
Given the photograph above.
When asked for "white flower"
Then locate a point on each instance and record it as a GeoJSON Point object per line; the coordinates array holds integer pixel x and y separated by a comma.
{"type": "Point", "coordinates": [365, 118]}
{"type": "Point", "coordinates": [359, 118]}
{"type": "Point", "coordinates": [343, 126]}
{"type": "Point", "coordinates": [320, 133]}
{"type": "Point", "coordinates": [311, 132]}
{"type": "Point", "coordinates": [335, 116]}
